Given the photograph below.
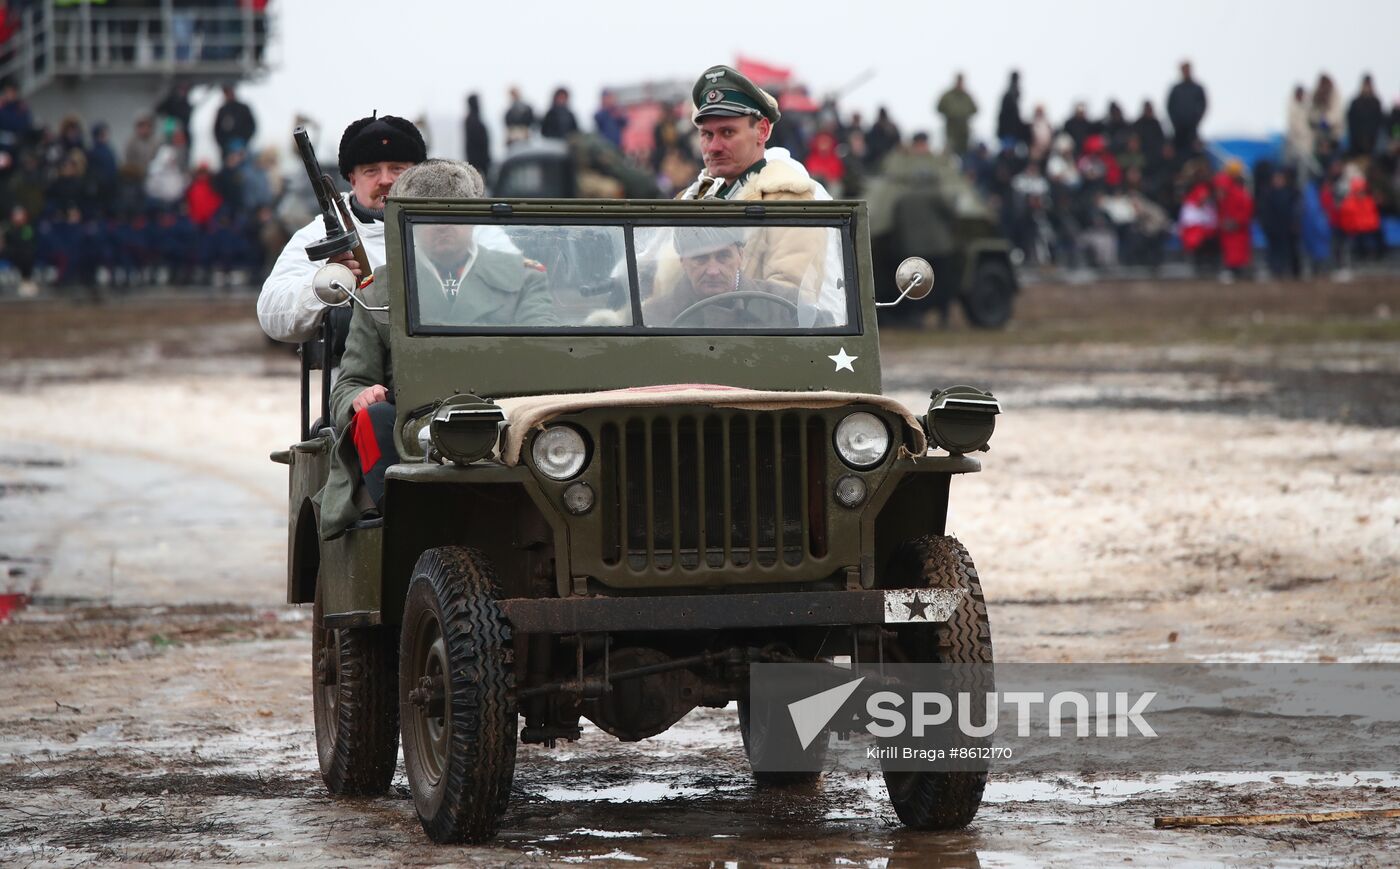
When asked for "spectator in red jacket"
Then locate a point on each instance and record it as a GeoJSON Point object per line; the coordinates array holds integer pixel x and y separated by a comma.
{"type": "Point", "coordinates": [1198, 224]}
{"type": "Point", "coordinates": [1360, 219]}
{"type": "Point", "coordinates": [1098, 165]}
{"type": "Point", "coordinates": [1236, 215]}
{"type": "Point", "coordinates": [202, 199]}
{"type": "Point", "coordinates": [823, 161]}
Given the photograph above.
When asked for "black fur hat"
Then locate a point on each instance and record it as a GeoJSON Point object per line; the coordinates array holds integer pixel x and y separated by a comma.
{"type": "Point", "coordinates": [380, 139]}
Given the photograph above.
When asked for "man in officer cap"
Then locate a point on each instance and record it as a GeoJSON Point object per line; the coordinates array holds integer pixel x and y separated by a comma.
{"type": "Point", "coordinates": [735, 118]}
{"type": "Point", "coordinates": [374, 152]}
{"type": "Point", "coordinates": [713, 289]}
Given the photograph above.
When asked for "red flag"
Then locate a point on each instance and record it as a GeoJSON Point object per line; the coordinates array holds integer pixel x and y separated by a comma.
{"type": "Point", "coordinates": [762, 74]}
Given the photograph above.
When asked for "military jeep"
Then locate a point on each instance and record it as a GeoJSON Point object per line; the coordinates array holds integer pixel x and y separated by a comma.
{"type": "Point", "coordinates": [614, 514]}
{"type": "Point", "coordinates": [922, 205]}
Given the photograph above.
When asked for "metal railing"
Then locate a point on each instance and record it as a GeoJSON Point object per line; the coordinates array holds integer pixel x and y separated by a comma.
{"type": "Point", "coordinates": [169, 38]}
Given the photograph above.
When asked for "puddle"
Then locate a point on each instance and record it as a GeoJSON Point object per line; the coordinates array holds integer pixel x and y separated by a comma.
{"type": "Point", "coordinates": [24, 488]}
{"type": "Point", "coordinates": [1111, 791]}
{"type": "Point", "coordinates": [635, 792]}
{"type": "Point", "coordinates": [15, 462]}
{"type": "Point", "coordinates": [610, 834]}
{"type": "Point", "coordinates": [1375, 653]}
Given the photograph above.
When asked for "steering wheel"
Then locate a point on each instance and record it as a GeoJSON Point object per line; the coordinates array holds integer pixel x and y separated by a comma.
{"type": "Point", "coordinates": [735, 295]}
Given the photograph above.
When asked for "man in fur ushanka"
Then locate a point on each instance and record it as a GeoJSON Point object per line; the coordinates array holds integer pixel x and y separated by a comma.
{"type": "Point", "coordinates": [373, 153]}
{"type": "Point", "coordinates": [735, 118]}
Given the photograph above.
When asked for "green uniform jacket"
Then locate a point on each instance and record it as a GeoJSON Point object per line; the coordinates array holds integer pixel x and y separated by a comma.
{"type": "Point", "coordinates": [500, 289]}
{"type": "Point", "coordinates": [366, 362]}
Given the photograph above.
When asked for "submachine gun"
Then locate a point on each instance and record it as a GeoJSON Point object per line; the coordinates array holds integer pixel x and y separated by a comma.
{"type": "Point", "coordinates": [341, 237]}
{"type": "Point", "coordinates": [340, 229]}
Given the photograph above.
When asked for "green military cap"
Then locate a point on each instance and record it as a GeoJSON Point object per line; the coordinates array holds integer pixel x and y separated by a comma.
{"type": "Point", "coordinates": [722, 91]}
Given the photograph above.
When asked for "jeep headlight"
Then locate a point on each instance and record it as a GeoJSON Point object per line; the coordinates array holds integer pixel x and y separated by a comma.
{"type": "Point", "coordinates": [862, 440]}
{"type": "Point", "coordinates": [464, 429]}
{"type": "Point", "coordinates": [961, 419]}
{"type": "Point", "coordinates": [559, 452]}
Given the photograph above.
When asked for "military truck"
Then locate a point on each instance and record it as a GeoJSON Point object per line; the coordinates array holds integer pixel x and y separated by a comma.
{"type": "Point", "coordinates": [922, 205]}
{"type": "Point", "coordinates": [612, 516]}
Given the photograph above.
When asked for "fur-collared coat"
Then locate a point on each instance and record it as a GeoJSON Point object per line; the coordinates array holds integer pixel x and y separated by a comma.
{"type": "Point", "coordinates": [788, 255]}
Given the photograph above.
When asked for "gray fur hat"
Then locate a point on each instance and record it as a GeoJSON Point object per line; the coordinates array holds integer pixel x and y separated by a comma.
{"type": "Point", "coordinates": [439, 179]}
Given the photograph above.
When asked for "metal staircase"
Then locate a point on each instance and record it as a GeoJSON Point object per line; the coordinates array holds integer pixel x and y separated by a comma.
{"type": "Point", "coordinates": [74, 42]}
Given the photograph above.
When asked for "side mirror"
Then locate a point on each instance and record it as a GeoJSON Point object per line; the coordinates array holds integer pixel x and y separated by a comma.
{"type": "Point", "coordinates": [914, 277]}
{"type": "Point", "coordinates": [334, 285]}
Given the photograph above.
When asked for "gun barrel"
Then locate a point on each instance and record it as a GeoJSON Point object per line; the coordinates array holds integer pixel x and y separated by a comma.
{"type": "Point", "coordinates": [313, 169]}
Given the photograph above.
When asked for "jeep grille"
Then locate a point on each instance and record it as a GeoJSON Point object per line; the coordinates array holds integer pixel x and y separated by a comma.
{"type": "Point", "coordinates": [714, 489]}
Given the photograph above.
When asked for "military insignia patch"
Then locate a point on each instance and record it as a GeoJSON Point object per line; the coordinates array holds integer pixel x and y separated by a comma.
{"type": "Point", "coordinates": [533, 264]}
{"type": "Point", "coordinates": [713, 96]}
{"type": "Point", "coordinates": [366, 282]}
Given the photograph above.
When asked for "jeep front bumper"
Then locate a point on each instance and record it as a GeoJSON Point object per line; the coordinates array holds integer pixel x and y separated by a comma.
{"type": "Point", "coordinates": [718, 611]}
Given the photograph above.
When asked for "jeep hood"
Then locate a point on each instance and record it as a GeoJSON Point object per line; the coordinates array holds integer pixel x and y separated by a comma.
{"type": "Point", "coordinates": [533, 411]}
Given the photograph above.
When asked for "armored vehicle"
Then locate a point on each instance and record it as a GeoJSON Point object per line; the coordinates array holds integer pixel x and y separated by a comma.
{"type": "Point", "coordinates": [584, 165]}
{"type": "Point", "coordinates": [922, 205]}
{"type": "Point", "coordinates": [610, 514]}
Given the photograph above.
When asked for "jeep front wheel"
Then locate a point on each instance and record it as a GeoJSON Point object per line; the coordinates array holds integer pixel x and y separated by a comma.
{"type": "Point", "coordinates": [459, 718]}
{"type": "Point", "coordinates": [352, 691]}
{"type": "Point", "coordinates": [942, 800]}
{"type": "Point", "coordinates": [756, 730]}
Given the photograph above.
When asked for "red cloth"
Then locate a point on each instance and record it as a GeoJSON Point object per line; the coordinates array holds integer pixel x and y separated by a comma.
{"type": "Point", "coordinates": [202, 199]}
{"type": "Point", "coordinates": [764, 75]}
{"type": "Point", "coordinates": [362, 433]}
{"type": "Point", "coordinates": [1236, 212]}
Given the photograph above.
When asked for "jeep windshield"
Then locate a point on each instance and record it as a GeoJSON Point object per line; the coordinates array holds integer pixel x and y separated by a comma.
{"type": "Point", "coordinates": [483, 276]}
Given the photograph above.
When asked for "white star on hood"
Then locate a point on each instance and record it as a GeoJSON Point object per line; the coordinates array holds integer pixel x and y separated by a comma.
{"type": "Point", "coordinates": [844, 361]}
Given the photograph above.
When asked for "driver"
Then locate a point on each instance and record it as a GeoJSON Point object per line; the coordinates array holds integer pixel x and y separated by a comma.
{"type": "Point", "coordinates": [712, 260]}
{"type": "Point", "coordinates": [735, 120]}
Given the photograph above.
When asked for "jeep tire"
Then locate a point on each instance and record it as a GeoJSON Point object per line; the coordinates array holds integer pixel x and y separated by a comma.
{"type": "Point", "coordinates": [942, 800]}
{"type": "Point", "coordinates": [459, 718]}
{"type": "Point", "coordinates": [756, 732]}
{"type": "Point", "coordinates": [354, 671]}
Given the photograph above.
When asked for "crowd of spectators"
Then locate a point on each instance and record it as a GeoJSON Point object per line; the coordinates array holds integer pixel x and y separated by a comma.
{"type": "Point", "coordinates": [1113, 191]}
{"type": "Point", "coordinates": [1089, 191]}
{"type": "Point", "coordinates": [81, 214]}
{"type": "Point", "coordinates": [1095, 192]}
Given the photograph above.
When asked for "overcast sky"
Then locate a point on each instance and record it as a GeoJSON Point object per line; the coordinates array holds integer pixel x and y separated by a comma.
{"type": "Point", "coordinates": [338, 59]}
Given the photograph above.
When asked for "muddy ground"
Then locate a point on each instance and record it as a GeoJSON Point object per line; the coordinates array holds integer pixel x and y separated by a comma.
{"type": "Point", "coordinates": [1184, 472]}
